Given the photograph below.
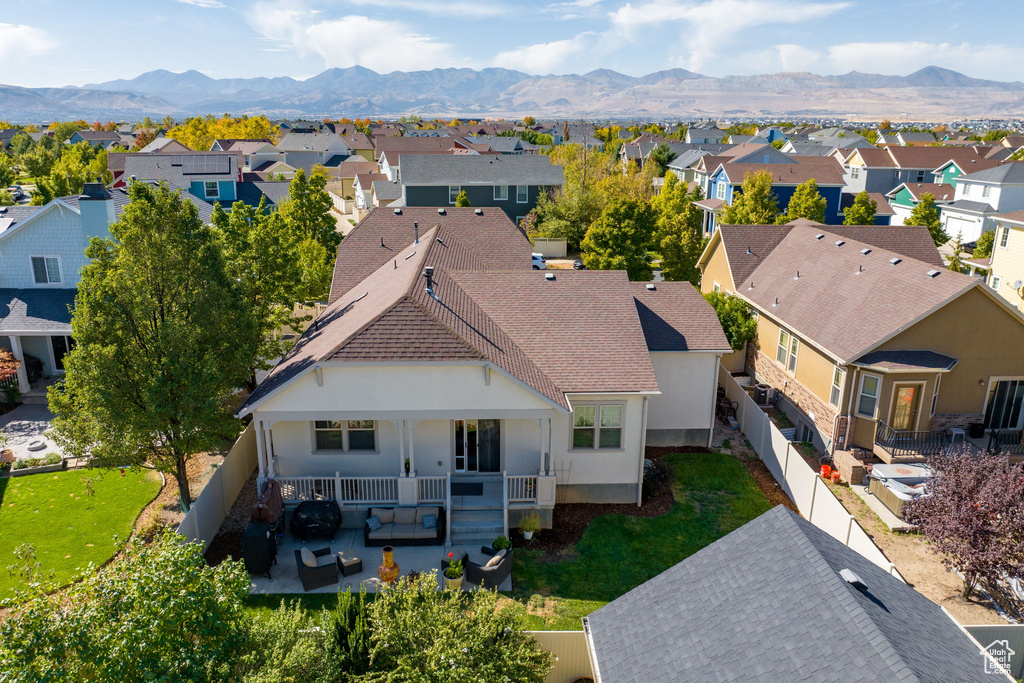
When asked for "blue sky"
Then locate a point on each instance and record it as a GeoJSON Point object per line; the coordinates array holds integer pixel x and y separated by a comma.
{"type": "Point", "coordinates": [61, 42]}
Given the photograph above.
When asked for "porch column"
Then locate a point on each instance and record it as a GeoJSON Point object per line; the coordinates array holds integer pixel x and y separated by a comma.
{"type": "Point", "coordinates": [551, 465]}
{"type": "Point", "coordinates": [412, 454]}
{"type": "Point", "coordinates": [261, 460]}
{"type": "Point", "coordinates": [400, 424]}
{"type": "Point", "coordinates": [540, 425]}
{"type": "Point", "coordinates": [23, 385]}
{"type": "Point", "coordinates": [272, 467]}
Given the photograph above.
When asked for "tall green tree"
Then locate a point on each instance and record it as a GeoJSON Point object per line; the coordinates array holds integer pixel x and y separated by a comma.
{"type": "Point", "coordinates": [956, 259]}
{"type": "Point", "coordinates": [156, 358]}
{"type": "Point", "coordinates": [679, 235]}
{"type": "Point", "coordinates": [862, 211]}
{"type": "Point", "coordinates": [38, 161]}
{"type": "Point", "coordinates": [927, 214]}
{"type": "Point", "coordinates": [738, 322]}
{"type": "Point", "coordinates": [7, 172]}
{"type": "Point", "coordinates": [158, 613]}
{"type": "Point", "coordinates": [261, 256]}
{"type": "Point", "coordinates": [620, 237]}
{"type": "Point", "coordinates": [806, 202]}
{"type": "Point", "coordinates": [20, 144]}
{"type": "Point", "coordinates": [756, 203]}
{"type": "Point", "coordinates": [983, 245]}
{"type": "Point", "coordinates": [661, 156]}
{"type": "Point", "coordinates": [462, 199]}
{"type": "Point", "coordinates": [308, 211]}
{"type": "Point", "coordinates": [316, 268]}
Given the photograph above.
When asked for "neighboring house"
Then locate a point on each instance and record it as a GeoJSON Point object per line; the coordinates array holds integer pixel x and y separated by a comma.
{"type": "Point", "coordinates": [980, 196]}
{"type": "Point", "coordinates": [908, 195]}
{"type": "Point", "coordinates": [362, 188]}
{"type": "Point", "coordinates": [883, 170]}
{"type": "Point", "coordinates": [862, 331]}
{"type": "Point", "coordinates": [907, 138]}
{"type": "Point", "coordinates": [430, 353]}
{"type": "Point", "coordinates": [745, 607]}
{"type": "Point", "coordinates": [503, 144]}
{"type": "Point", "coordinates": [701, 136]}
{"type": "Point", "coordinates": [870, 169]}
{"type": "Point", "coordinates": [305, 150]}
{"type": "Point", "coordinates": [726, 181]}
{"type": "Point", "coordinates": [259, 155]}
{"type": "Point", "coordinates": [884, 212]}
{"type": "Point", "coordinates": [43, 254]}
{"type": "Point", "coordinates": [1006, 266]}
{"type": "Point", "coordinates": [360, 144]}
{"type": "Point", "coordinates": [347, 171]}
{"type": "Point", "coordinates": [7, 135]}
{"type": "Point", "coordinates": [390, 160]}
{"type": "Point", "coordinates": [213, 176]}
{"type": "Point", "coordinates": [164, 146]}
{"type": "Point", "coordinates": [386, 192]}
{"type": "Point", "coordinates": [510, 182]}
{"type": "Point", "coordinates": [97, 138]}
{"type": "Point", "coordinates": [951, 170]}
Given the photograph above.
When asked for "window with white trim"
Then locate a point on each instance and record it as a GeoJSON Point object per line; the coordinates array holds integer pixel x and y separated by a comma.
{"type": "Point", "coordinates": [1005, 237]}
{"type": "Point", "coordinates": [212, 189]}
{"type": "Point", "coordinates": [345, 435]}
{"type": "Point", "coordinates": [787, 351]}
{"type": "Point", "coordinates": [996, 281]}
{"type": "Point", "coordinates": [967, 189]}
{"type": "Point", "coordinates": [500, 193]}
{"type": "Point", "coordinates": [720, 190]}
{"type": "Point", "coordinates": [854, 172]}
{"type": "Point", "coordinates": [453, 193]}
{"type": "Point", "coordinates": [522, 194]}
{"type": "Point", "coordinates": [46, 270]}
{"type": "Point", "coordinates": [837, 386]}
{"type": "Point", "coordinates": [986, 190]}
{"type": "Point", "coordinates": [920, 176]}
{"type": "Point", "coordinates": [597, 426]}
{"type": "Point", "coordinates": [867, 397]}
{"type": "Point", "coordinates": [717, 287]}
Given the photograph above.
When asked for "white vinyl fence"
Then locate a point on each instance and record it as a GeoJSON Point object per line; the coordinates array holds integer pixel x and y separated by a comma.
{"type": "Point", "coordinates": [211, 507]}
{"type": "Point", "coordinates": [550, 247]}
{"type": "Point", "coordinates": [799, 480]}
{"type": "Point", "coordinates": [570, 647]}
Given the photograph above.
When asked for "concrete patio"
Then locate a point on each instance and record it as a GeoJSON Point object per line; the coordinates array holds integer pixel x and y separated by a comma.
{"type": "Point", "coordinates": [25, 424]}
{"type": "Point", "coordinates": [349, 543]}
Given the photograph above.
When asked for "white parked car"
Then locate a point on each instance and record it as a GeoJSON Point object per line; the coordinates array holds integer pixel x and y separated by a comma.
{"type": "Point", "coordinates": [539, 262]}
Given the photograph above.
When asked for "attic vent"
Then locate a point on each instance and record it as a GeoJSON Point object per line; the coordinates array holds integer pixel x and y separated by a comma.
{"type": "Point", "coordinates": [819, 236]}
{"type": "Point", "coordinates": [549, 276]}
{"type": "Point", "coordinates": [478, 212]}
{"type": "Point", "coordinates": [933, 273]}
{"type": "Point", "coordinates": [651, 287]}
{"type": "Point", "coordinates": [398, 212]}
{"type": "Point", "coordinates": [853, 579]}
{"type": "Point", "coordinates": [840, 243]}
{"type": "Point", "coordinates": [440, 212]}
{"type": "Point", "coordinates": [895, 260]}
{"type": "Point", "coordinates": [865, 251]}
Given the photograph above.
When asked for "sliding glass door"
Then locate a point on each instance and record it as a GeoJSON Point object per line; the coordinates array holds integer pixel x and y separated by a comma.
{"type": "Point", "coordinates": [477, 445]}
{"type": "Point", "coordinates": [1005, 405]}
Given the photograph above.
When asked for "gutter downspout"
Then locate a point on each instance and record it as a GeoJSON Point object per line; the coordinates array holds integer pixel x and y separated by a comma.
{"type": "Point", "coordinates": [835, 421]}
{"type": "Point", "coordinates": [643, 453]}
{"type": "Point", "coordinates": [849, 406]}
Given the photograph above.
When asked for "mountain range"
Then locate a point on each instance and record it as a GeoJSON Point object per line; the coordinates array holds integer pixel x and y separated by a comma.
{"type": "Point", "coordinates": [932, 93]}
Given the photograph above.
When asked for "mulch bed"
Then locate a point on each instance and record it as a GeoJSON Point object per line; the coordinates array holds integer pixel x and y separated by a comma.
{"type": "Point", "coordinates": [228, 541]}
{"type": "Point", "coordinates": [769, 487]}
{"type": "Point", "coordinates": [570, 520]}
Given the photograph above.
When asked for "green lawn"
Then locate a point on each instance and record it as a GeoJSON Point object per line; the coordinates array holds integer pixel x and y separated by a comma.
{"type": "Point", "coordinates": [68, 527]}
{"type": "Point", "coordinates": [714, 494]}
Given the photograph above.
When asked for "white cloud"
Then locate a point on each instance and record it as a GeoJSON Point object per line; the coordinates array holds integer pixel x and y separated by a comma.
{"type": "Point", "coordinates": [208, 4]}
{"type": "Point", "coordinates": [796, 57]}
{"type": "Point", "coordinates": [472, 10]}
{"type": "Point", "coordinates": [352, 40]}
{"type": "Point", "coordinates": [705, 27]}
{"type": "Point", "coordinates": [543, 58]}
{"type": "Point", "coordinates": [993, 60]}
{"type": "Point", "coordinates": [19, 41]}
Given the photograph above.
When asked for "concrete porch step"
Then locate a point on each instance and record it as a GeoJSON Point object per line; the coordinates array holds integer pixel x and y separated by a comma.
{"type": "Point", "coordinates": [490, 516]}
{"type": "Point", "coordinates": [34, 399]}
{"type": "Point", "coordinates": [471, 540]}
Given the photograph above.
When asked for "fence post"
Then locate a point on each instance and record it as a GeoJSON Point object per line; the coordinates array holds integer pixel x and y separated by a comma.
{"type": "Point", "coordinates": [785, 464]}
{"type": "Point", "coordinates": [849, 529]}
{"type": "Point", "coordinates": [337, 488]}
{"type": "Point", "coordinates": [814, 492]}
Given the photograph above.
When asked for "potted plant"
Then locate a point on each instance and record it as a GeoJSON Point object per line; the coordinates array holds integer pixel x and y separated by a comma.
{"type": "Point", "coordinates": [407, 467]}
{"type": "Point", "coordinates": [453, 572]}
{"type": "Point", "coordinates": [6, 454]}
{"type": "Point", "coordinates": [529, 524]}
{"type": "Point", "coordinates": [501, 543]}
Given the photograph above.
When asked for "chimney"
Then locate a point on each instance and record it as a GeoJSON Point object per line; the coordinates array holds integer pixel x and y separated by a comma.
{"type": "Point", "coordinates": [96, 206]}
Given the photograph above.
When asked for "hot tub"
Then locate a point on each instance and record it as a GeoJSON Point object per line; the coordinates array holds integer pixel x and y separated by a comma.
{"type": "Point", "coordinates": [894, 485]}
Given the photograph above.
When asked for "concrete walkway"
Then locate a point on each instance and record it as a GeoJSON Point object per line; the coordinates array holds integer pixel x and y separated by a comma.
{"type": "Point", "coordinates": [26, 424]}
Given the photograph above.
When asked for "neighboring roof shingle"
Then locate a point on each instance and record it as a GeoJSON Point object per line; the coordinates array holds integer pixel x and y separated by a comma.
{"type": "Point", "coordinates": [675, 317]}
{"type": "Point", "coordinates": [748, 606]}
{"type": "Point", "coordinates": [1010, 173]}
{"type": "Point", "coordinates": [436, 169]}
{"type": "Point", "coordinates": [36, 310]}
{"type": "Point", "coordinates": [823, 170]}
{"type": "Point", "coordinates": [907, 360]}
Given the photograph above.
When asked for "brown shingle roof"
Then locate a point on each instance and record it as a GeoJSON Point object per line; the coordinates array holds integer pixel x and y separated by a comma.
{"type": "Point", "coordinates": [499, 243]}
{"type": "Point", "coordinates": [940, 191]}
{"type": "Point", "coordinates": [675, 317]}
{"type": "Point", "coordinates": [845, 301]}
{"type": "Point", "coordinates": [930, 158]}
{"type": "Point", "coordinates": [823, 170]}
{"type": "Point", "coordinates": [1012, 216]}
{"type": "Point", "coordinates": [874, 158]}
{"type": "Point", "coordinates": [412, 145]}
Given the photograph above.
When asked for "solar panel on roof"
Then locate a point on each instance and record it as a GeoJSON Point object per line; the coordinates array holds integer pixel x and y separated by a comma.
{"type": "Point", "coordinates": [204, 164]}
{"type": "Point", "coordinates": [5, 223]}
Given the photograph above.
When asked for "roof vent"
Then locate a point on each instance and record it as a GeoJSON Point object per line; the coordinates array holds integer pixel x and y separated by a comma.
{"type": "Point", "coordinates": [933, 273]}
{"type": "Point", "coordinates": [478, 212]}
{"type": "Point", "coordinates": [860, 269]}
{"type": "Point", "coordinates": [895, 260]}
{"type": "Point", "coordinates": [440, 212]}
{"type": "Point", "coordinates": [382, 242]}
{"type": "Point", "coordinates": [853, 579]}
{"type": "Point", "coordinates": [819, 236]}
{"type": "Point", "coordinates": [398, 212]}
{"type": "Point", "coordinates": [750, 253]}
{"type": "Point", "coordinates": [651, 287]}
{"type": "Point", "coordinates": [549, 276]}
{"type": "Point", "coordinates": [840, 243]}
{"type": "Point", "coordinates": [865, 251]}
{"type": "Point", "coordinates": [751, 285]}
{"type": "Point", "coordinates": [797, 275]}
{"type": "Point", "coordinates": [776, 301]}
{"type": "Point", "coordinates": [428, 274]}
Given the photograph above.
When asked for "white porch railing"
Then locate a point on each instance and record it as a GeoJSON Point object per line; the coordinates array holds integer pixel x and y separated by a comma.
{"type": "Point", "coordinates": [432, 489]}
{"type": "Point", "coordinates": [521, 488]}
{"type": "Point", "coordinates": [298, 489]}
{"type": "Point", "coordinates": [346, 490]}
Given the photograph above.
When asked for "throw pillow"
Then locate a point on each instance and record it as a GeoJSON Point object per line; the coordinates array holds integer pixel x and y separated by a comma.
{"type": "Point", "coordinates": [373, 523]}
{"type": "Point", "coordinates": [308, 558]}
{"type": "Point", "coordinates": [429, 522]}
{"type": "Point", "coordinates": [496, 560]}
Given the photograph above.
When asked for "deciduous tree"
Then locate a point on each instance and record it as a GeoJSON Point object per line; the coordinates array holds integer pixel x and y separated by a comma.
{"type": "Point", "coordinates": [156, 356]}
{"type": "Point", "coordinates": [308, 211]}
{"type": "Point", "coordinates": [927, 214]}
{"type": "Point", "coordinates": [7, 173]}
{"type": "Point", "coordinates": [862, 211]}
{"type": "Point", "coordinates": [983, 245]}
{"type": "Point", "coordinates": [806, 202]}
{"type": "Point", "coordinates": [755, 205]}
{"type": "Point", "coordinates": [620, 237]}
{"type": "Point", "coordinates": [679, 235]}
{"type": "Point", "coordinates": [738, 322]}
{"type": "Point", "coordinates": [462, 199]}
{"type": "Point", "coordinates": [974, 516]}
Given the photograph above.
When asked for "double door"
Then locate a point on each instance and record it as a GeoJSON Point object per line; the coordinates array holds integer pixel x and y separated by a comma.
{"type": "Point", "coordinates": [477, 445]}
{"type": "Point", "coordinates": [1006, 405]}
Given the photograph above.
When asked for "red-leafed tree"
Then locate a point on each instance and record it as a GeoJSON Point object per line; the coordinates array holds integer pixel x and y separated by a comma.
{"type": "Point", "coordinates": [974, 516]}
{"type": "Point", "coordinates": [9, 375]}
